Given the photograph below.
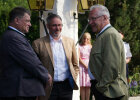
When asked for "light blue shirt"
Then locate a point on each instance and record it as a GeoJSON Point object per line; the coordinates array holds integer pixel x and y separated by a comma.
{"type": "Point", "coordinates": [61, 69]}
{"type": "Point", "coordinates": [89, 72]}
{"type": "Point", "coordinates": [16, 30]}
{"type": "Point", "coordinates": [108, 25]}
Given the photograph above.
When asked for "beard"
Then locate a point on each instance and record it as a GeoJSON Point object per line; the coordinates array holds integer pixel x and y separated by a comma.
{"type": "Point", "coordinates": [56, 35]}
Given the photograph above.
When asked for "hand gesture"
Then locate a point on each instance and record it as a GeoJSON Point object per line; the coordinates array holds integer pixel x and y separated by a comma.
{"type": "Point", "coordinates": [49, 83]}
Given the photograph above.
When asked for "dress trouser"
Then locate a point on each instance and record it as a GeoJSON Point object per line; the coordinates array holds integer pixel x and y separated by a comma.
{"type": "Point", "coordinates": [61, 91]}
{"type": "Point", "coordinates": [99, 96]}
{"type": "Point", "coordinates": [17, 98]}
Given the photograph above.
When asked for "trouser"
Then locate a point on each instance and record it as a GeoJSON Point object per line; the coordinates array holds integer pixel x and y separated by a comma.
{"type": "Point", "coordinates": [61, 91]}
{"type": "Point", "coordinates": [127, 71]}
{"type": "Point", "coordinates": [99, 96]}
{"type": "Point", "coordinates": [17, 98]}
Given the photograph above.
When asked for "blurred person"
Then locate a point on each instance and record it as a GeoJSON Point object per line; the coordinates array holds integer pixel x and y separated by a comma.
{"type": "Point", "coordinates": [22, 75]}
{"type": "Point", "coordinates": [107, 58]}
{"type": "Point", "coordinates": [58, 55]}
{"type": "Point", "coordinates": [128, 54]}
{"type": "Point", "coordinates": [84, 52]}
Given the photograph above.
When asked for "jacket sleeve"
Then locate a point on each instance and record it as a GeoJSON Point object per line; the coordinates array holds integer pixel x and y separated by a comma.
{"type": "Point", "coordinates": [112, 48]}
{"type": "Point", "coordinates": [75, 60]}
{"type": "Point", "coordinates": [21, 51]}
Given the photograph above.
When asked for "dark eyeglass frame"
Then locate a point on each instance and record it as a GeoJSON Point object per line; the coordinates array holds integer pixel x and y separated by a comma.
{"type": "Point", "coordinates": [94, 18]}
{"type": "Point", "coordinates": [55, 25]}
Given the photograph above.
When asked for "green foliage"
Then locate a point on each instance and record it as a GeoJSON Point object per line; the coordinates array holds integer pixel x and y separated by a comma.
{"type": "Point", "coordinates": [134, 82]}
{"type": "Point", "coordinates": [125, 17]}
{"type": "Point", "coordinates": [134, 91]}
{"type": "Point", "coordinates": [5, 8]}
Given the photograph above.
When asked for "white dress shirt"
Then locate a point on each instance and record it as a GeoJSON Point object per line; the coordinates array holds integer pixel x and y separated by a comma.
{"type": "Point", "coordinates": [128, 53]}
{"type": "Point", "coordinates": [61, 69]}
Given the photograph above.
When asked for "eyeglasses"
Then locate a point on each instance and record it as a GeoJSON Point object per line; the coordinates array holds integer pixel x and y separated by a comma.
{"type": "Point", "coordinates": [55, 25]}
{"type": "Point", "coordinates": [94, 18]}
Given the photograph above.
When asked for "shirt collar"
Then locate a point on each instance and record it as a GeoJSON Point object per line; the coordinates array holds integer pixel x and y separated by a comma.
{"type": "Point", "coordinates": [16, 30]}
{"type": "Point", "coordinates": [108, 25]}
{"type": "Point", "coordinates": [52, 39]}
{"type": "Point", "coordinates": [105, 28]}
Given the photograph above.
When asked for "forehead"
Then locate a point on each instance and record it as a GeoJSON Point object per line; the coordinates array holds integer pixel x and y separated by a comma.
{"type": "Point", "coordinates": [86, 36]}
{"type": "Point", "coordinates": [93, 12]}
{"type": "Point", "coordinates": [26, 16]}
{"type": "Point", "coordinates": [56, 20]}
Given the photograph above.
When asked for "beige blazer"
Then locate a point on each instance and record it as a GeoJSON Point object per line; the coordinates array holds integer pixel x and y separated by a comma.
{"type": "Point", "coordinates": [43, 49]}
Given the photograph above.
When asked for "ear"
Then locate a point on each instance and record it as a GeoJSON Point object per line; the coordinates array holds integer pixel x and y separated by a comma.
{"type": "Point", "coordinates": [105, 17]}
{"type": "Point", "coordinates": [16, 20]}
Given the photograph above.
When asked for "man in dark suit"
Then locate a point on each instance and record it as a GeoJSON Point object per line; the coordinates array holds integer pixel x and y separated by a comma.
{"type": "Point", "coordinates": [107, 59]}
{"type": "Point", "coordinates": [22, 75]}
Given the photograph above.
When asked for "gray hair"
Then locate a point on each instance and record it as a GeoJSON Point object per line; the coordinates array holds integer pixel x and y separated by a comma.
{"type": "Point", "coordinates": [102, 10]}
{"type": "Point", "coordinates": [52, 16]}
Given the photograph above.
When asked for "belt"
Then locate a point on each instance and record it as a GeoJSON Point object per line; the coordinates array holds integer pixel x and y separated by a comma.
{"type": "Point", "coordinates": [59, 82]}
{"type": "Point", "coordinates": [93, 81]}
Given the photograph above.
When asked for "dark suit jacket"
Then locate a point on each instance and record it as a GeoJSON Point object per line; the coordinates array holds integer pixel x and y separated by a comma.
{"type": "Point", "coordinates": [21, 72]}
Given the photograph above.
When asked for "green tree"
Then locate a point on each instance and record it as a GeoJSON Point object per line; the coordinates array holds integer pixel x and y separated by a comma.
{"type": "Point", "coordinates": [5, 8]}
{"type": "Point", "coordinates": [125, 17]}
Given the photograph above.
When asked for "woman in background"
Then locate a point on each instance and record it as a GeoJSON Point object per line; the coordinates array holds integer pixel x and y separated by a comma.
{"type": "Point", "coordinates": [128, 54]}
{"type": "Point", "coordinates": [84, 53]}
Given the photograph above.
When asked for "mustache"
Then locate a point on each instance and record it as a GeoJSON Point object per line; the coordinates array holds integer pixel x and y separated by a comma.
{"type": "Point", "coordinates": [56, 35]}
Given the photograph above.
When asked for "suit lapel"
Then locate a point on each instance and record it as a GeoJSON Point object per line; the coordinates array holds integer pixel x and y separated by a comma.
{"type": "Point", "coordinates": [103, 31]}
{"type": "Point", "coordinates": [65, 45]}
{"type": "Point", "coordinates": [48, 47]}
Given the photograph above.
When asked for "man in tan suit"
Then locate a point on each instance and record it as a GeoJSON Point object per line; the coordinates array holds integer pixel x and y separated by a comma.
{"type": "Point", "coordinates": [58, 55]}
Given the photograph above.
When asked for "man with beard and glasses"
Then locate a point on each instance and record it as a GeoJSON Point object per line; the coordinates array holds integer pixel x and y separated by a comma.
{"type": "Point", "coordinates": [58, 55]}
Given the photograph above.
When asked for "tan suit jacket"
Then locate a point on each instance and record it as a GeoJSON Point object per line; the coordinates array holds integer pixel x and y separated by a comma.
{"type": "Point", "coordinates": [43, 49]}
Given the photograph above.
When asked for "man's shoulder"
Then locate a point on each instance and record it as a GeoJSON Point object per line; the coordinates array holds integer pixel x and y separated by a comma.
{"type": "Point", "coordinates": [39, 40]}
{"type": "Point", "coordinates": [10, 35]}
{"type": "Point", "coordinates": [67, 38]}
{"type": "Point", "coordinates": [111, 32]}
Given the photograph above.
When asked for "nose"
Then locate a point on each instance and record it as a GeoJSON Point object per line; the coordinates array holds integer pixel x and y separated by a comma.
{"type": "Point", "coordinates": [57, 26]}
{"type": "Point", "coordinates": [30, 24]}
{"type": "Point", "coordinates": [89, 21]}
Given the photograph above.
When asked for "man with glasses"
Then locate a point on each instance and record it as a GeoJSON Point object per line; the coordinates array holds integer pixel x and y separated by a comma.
{"type": "Point", "coordinates": [22, 75]}
{"type": "Point", "coordinates": [107, 59]}
{"type": "Point", "coordinates": [58, 55]}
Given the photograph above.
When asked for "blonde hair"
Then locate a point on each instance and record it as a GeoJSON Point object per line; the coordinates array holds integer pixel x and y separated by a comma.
{"type": "Point", "coordinates": [86, 34]}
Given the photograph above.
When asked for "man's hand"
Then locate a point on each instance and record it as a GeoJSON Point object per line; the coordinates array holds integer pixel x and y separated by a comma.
{"type": "Point", "coordinates": [49, 83]}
